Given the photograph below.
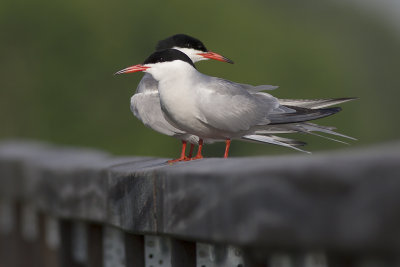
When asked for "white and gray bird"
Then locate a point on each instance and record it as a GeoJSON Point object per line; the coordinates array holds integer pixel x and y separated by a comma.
{"type": "Point", "coordinates": [218, 109]}
{"type": "Point", "coordinates": [145, 103]}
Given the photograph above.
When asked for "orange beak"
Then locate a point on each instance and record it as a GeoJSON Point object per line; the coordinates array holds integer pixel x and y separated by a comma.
{"type": "Point", "coordinates": [215, 56]}
{"type": "Point", "coordinates": [131, 69]}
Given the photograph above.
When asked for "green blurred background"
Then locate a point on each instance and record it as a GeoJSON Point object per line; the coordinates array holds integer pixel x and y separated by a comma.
{"type": "Point", "coordinates": [58, 58]}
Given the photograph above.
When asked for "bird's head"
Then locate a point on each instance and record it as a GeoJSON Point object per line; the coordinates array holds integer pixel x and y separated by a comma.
{"type": "Point", "coordinates": [191, 46]}
{"type": "Point", "coordinates": [163, 63]}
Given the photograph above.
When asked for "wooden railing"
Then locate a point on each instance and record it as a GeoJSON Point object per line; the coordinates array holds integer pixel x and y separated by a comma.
{"type": "Point", "coordinates": [78, 207]}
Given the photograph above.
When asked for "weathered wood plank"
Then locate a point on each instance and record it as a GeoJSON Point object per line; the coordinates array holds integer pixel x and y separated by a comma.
{"type": "Point", "coordinates": [341, 201]}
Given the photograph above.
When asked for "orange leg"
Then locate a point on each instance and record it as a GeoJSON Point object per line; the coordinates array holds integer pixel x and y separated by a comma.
{"type": "Point", "coordinates": [228, 144]}
{"type": "Point", "coordinates": [191, 151]}
{"type": "Point", "coordinates": [183, 156]}
{"type": "Point", "coordinates": [199, 155]}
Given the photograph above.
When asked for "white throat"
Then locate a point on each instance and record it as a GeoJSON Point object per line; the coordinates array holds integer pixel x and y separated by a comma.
{"type": "Point", "coordinates": [191, 53]}
{"type": "Point", "coordinates": [176, 69]}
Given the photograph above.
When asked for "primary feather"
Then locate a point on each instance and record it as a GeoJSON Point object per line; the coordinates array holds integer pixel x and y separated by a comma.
{"type": "Point", "coordinates": [315, 103]}
{"type": "Point", "coordinates": [271, 140]}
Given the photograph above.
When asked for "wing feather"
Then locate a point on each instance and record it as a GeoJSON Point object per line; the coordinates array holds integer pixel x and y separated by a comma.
{"type": "Point", "coordinates": [315, 103]}
{"type": "Point", "coordinates": [297, 114]}
{"type": "Point", "coordinates": [146, 107]}
{"type": "Point", "coordinates": [271, 140]}
{"type": "Point", "coordinates": [234, 108]}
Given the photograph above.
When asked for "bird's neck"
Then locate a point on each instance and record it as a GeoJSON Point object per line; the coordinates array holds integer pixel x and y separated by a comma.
{"type": "Point", "coordinates": [174, 73]}
{"type": "Point", "coordinates": [178, 82]}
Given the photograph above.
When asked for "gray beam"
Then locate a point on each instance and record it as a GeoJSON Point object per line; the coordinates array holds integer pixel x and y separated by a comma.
{"type": "Point", "coordinates": [342, 201]}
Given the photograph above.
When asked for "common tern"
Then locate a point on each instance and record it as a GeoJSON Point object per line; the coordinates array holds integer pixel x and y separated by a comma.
{"type": "Point", "coordinates": [217, 109]}
{"type": "Point", "coordinates": [145, 103]}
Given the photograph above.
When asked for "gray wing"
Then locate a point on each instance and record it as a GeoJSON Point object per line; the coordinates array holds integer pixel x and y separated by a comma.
{"type": "Point", "coordinates": [249, 87]}
{"type": "Point", "coordinates": [227, 106]}
{"type": "Point", "coordinates": [305, 127]}
{"type": "Point", "coordinates": [258, 88]}
{"type": "Point", "coordinates": [273, 140]}
{"type": "Point", "coordinates": [146, 107]}
{"type": "Point", "coordinates": [147, 84]}
{"type": "Point", "coordinates": [315, 103]}
{"type": "Point", "coordinates": [291, 114]}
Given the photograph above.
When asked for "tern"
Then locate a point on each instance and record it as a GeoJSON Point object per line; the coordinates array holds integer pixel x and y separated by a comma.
{"type": "Point", "coordinates": [212, 108]}
{"type": "Point", "coordinates": [145, 103]}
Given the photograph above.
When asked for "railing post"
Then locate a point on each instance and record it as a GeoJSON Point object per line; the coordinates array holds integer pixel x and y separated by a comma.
{"type": "Point", "coordinates": [157, 251]}
{"type": "Point", "coordinates": [167, 252]}
{"type": "Point", "coordinates": [70, 241]}
{"type": "Point", "coordinates": [315, 259]}
{"type": "Point", "coordinates": [28, 225]}
{"type": "Point", "coordinates": [80, 243]}
{"type": "Point", "coordinates": [49, 240]}
{"type": "Point", "coordinates": [218, 256]}
{"type": "Point", "coordinates": [281, 260]}
{"type": "Point", "coordinates": [114, 248]}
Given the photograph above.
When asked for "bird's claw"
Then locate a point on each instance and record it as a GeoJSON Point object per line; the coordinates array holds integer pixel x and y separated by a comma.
{"type": "Point", "coordinates": [172, 161]}
{"type": "Point", "coordinates": [197, 157]}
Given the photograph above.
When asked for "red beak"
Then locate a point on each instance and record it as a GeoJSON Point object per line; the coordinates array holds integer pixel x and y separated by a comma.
{"type": "Point", "coordinates": [131, 69]}
{"type": "Point", "coordinates": [212, 55]}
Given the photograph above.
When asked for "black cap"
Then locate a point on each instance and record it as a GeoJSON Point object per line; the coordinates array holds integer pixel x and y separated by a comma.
{"type": "Point", "coordinates": [167, 55]}
{"type": "Point", "coordinates": [181, 41]}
